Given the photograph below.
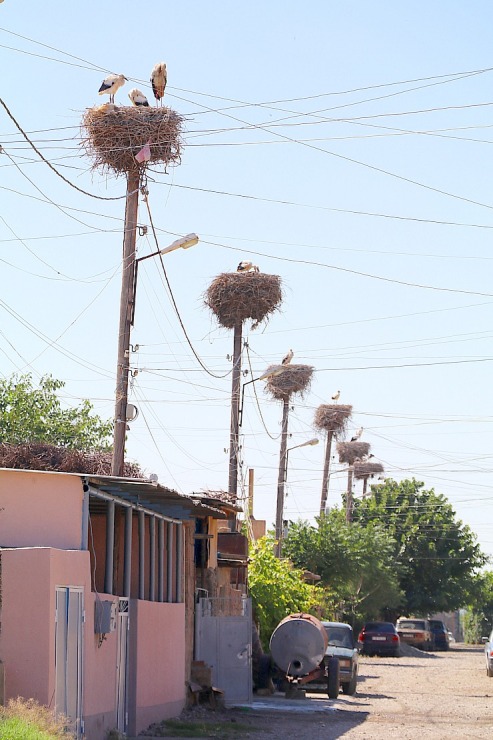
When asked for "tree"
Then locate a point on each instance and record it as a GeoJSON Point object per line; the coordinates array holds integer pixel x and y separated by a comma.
{"type": "Point", "coordinates": [276, 588]}
{"type": "Point", "coordinates": [436, 555]}
{"type": "Point", "coordinates": [29, 414]}
{"type": "Point", "coordinates": [355, 562]}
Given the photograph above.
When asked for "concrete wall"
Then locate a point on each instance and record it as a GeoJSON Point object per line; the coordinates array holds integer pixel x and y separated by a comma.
{"type": "Point", "coordinates": [40, 509]}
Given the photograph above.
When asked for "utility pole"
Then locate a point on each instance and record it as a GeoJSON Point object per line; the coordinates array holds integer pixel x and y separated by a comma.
{"type": "Point", "coordinates": [235, 413]}
{"type": "Point", "coordinates": [126, 297]}
{"type": "Point", "coordinates": [349, 495]}
{"type": "Point", "coordinates": [325, 477]}
{"type": "Point", "coordinates": [281, 480]}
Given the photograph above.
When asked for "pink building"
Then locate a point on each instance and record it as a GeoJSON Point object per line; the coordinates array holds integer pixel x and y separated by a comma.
{"type": "Point", "coordinates": [93, 573]}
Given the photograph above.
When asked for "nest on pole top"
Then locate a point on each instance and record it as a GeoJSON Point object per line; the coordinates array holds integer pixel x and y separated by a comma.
{"type": "Point", "coordinates": [287, 380]}
{"type": "Point", "coordinates": [351, 452]}
{"type": "Point", "coordinates": [333, 417]}
{"type": "Point", "coordinates": [112, 135]}
{"type": "Point", "coordinates": [367, 469]}
{"type": "Point", "coordinates": [234, 297]}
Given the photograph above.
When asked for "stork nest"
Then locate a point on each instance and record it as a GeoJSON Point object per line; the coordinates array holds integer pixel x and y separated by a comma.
{"type": "Point", "coordinates": [235, 297]}
{"type": "Point", "coordinates": [113, 135]}
{"type": "Point", "coordinates": [292, 379]}
{"type": "Point", "coordinates": [333, 418]}
{"type": "Point", "coordinates": [351, 452]}
{"type": "Point", "coordinates": [367, 469]}
{"type": "Point", "coordinates": [38, 456]}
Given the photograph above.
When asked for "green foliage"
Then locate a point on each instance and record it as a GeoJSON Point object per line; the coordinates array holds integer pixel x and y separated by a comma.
{"type": "Point", "coordinates": [436, 555]}
{"type": "Point", "coordinates": [472, 627]}
{"type": "Point", "coordinates": [29, 414]}
{"type": "Point", "coordinates": [481, 601]}
{"type": "Point", "coordinates": [276, 588]}
{"type": "Point", "coordinates": [355, 563]}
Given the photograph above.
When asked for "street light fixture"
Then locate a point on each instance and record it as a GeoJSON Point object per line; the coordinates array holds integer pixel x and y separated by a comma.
{"type": "Point", "coordinates": [281, 487]}
{"type": "Point", "coordinates": [127, 313]}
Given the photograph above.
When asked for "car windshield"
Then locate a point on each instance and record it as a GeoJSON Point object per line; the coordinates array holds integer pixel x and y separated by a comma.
{"type": "Point", "coordinates": [412, 624]}
{"type": "Point", "coordinates": [339, 637]}
{"type": "Point", "coordinates": [437, 626]}
{"type": "Point", "coordinates": [379, 627]}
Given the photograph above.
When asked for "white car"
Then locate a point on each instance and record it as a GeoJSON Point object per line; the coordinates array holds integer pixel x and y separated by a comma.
{"type": "Point", "coordinates": [488, 655]}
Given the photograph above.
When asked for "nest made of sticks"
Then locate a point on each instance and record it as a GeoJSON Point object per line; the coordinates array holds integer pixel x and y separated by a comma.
{"type": "Point", "coordinates": [351, 452]}
{"type": "Point", "coordinates": [333, 417]}
{"type": "Point", "coordinates": [235, 297]}
{"type": "Point", "coordinates": [112, 136]}
{"type": "Point", "coordinates": [367, 469]}
{"type": "Point", "coordinates": [39, 456]}
{"type": "Point", "coordinates": [291, 379]}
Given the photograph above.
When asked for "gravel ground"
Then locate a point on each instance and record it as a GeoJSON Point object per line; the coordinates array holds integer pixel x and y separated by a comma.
{"type": "Point", "coordinates": [439, 696]}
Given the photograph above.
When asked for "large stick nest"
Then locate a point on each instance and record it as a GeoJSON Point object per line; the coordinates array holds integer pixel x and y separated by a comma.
{"type": "Point", "coordinates": [333, 418]}
{"type": "Point", "coordinates": [367, 469]}
{"type": "Point", "coordinates": [113, 135]}
{"type": "Point", "coordinates": [236, 296]}
{"type": "Point", "coordinates": [292, 379]}
{"type": "Point", "coordinates": [38, 456]}
{"type": "Point", "coordinates": [351, 452]}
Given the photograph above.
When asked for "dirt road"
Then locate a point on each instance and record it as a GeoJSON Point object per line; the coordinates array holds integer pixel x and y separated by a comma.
{"type": "Point", "coordinates": [424, 696]}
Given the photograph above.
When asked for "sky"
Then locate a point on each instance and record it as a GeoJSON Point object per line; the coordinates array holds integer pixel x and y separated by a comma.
{"type": "Point", "coordinates": [341, 146]}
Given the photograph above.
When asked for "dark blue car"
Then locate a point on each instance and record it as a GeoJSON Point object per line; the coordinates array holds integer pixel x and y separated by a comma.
{"type": "Point", "coordinates": [441, 637]}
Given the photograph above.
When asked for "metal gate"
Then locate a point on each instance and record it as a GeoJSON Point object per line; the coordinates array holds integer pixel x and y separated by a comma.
{"type": "Point", "coordinates": [69, 619]}
{"type": "Point", "coordinates": [223, 639]}
{"type": "Point", "coordinates": [122, 666]}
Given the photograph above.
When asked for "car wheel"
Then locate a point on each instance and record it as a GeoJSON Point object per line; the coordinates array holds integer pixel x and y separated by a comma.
{"type": "Point", "coordinates": [489, 671]}
{"type": "Point", "coordinates": [349, 688]}
{"type": "Point", "coordinates": [333, 678]}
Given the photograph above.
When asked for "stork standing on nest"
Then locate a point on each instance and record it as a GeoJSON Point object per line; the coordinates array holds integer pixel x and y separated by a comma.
{"type": "Point", "coordinates": [138, 98]}
{"type": "Point", "coordinates": [357, 435]}
{"type": "Point", "coordinates": [247, 266]}
{"type": "Point", "coordinates": [336, 396]}
{"type": "Point", "coordinates": [287, 359]}
{"type": "Point", "coordinates": [159, 78]}
{"type": "Point", "coordinates": [111, 84]}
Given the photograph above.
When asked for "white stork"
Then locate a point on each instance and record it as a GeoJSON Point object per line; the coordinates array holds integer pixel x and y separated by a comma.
{"type": "Point", "coordinates": [247, 266]}
{"type": "Point", "coordinates": [336, 396]}
{"type": "Point", "coordinates": [138, 98]}
{"type": "Point", "coordinates": [111, 84]}
{"type": "Point", "coordinates": [286, 360]}
{"type": "Point", "coordinates": [159, 78]}
{"type": "Point", "coordinates": [357, 435]}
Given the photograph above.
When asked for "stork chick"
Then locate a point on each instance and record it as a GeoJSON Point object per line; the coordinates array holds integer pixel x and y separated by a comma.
{"type": "Point", "coordinates": [247, 266]}
{"type": "Point", "coordinates": [111, 84]}
{"type": "Point", "coordinates": [159, 78]}
{"type": "Point", "coordinates": [138, 98]}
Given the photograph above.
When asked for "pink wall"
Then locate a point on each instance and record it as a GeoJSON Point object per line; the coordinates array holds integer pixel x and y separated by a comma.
{"type": "Point", "coordinates": [40, 509]}
{"type": "Point", "coordinates": [159, 665]}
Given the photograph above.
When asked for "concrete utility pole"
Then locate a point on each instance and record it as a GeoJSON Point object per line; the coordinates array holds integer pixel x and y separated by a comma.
{"type": "Point", "coordinates": [325, 477]}
{"type": "Point", "coordinates": [234, 435]}
{"type": "Point", "coordinates": [281, 480]}
{"type": "Point", "coordinates": [349, 495]}
{"type": "Point", "coordinates": [127, 293]}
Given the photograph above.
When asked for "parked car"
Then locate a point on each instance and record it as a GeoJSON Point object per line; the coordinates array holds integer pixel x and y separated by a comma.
{"type": "Point", "coordinates": [488, 655]}
{"type": "Point", "coordinates": [416, 632]}
{"type": "Point", "coordinates": [441, 635]}
{"type": "Point", "coordinates": [379, 638]}
{"type": "Point", "coordinates": [342, 646]}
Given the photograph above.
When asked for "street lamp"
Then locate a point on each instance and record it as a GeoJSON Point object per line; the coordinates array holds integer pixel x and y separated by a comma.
{"type": "Point", "coordinates": [283, 473]}
{"type": "Point", "coordinates": [127, 313]}
{"type": "Point", "coordinates": [265, 376]}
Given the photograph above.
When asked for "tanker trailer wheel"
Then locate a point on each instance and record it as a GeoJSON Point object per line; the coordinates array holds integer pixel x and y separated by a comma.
{"type": "Point", "coordinates": [333, 678]}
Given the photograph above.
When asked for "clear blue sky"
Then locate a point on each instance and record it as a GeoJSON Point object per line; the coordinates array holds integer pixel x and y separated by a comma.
{"type": "Point", "coordinates": [344, 146]}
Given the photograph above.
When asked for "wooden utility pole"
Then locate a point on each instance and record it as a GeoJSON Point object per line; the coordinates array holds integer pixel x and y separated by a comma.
{"type": "Point", "coordinates": [251, 481]}
{"type": "Point", "coordinates": [126, 301]}
{"type": "Point", "coordinates": [349, 495]}
{"type": "Point", "coordinates": [325, 478]}
{"type": "Point", "coordinates": [235, 413]}
{"type": "Point", "coordinates": [281, 480]}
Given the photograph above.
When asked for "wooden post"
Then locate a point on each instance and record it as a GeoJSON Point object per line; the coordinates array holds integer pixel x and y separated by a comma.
{"type": "Point", "coordinates": [325, 477]}
{"type": "Point", "coordinates": [126, 306]}
{"type": "Point", "coordinates": [365, 485]}
{"type": "Point", "coordinates": [235, 413]}
{"type": "Point", "coordinates": [281, 478]}
{"type": "Point", "coordinates": [251, 481]}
